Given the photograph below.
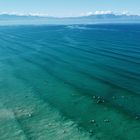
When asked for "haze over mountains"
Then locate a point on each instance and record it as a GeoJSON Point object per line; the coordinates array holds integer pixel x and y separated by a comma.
{"type": "Point", "coordinates": [13, 19]}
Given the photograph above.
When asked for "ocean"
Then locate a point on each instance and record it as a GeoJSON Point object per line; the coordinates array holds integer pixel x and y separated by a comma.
{"type": "Point", "coordinates": [70, 82]}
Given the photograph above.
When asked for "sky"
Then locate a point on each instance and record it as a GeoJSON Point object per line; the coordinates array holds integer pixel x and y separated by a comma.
{"type": "Point", "coordinates": [62, 8]}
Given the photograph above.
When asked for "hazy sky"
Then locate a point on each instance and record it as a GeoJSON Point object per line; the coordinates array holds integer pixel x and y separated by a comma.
{"type": "Point", "coordinates": [68, 7]}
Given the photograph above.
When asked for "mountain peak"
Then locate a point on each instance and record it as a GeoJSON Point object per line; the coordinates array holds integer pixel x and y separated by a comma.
{"type": "Point", "coordinates": [101, 17]}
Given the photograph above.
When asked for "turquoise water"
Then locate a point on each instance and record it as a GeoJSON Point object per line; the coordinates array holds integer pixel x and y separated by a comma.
{"type": "Point", "coordinates": [78, 82]}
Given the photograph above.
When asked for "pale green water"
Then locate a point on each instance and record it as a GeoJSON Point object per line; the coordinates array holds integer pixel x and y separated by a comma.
{"type": "Point", "coordinates": [49, 76]}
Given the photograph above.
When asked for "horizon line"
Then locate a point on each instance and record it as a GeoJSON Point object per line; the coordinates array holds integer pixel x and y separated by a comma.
{"type": "Point", "coordinates": [80, 15]}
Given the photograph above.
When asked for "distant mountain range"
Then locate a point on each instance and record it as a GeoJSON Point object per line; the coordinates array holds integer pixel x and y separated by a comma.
{"type": "Point", "coordinates": [7, 19]}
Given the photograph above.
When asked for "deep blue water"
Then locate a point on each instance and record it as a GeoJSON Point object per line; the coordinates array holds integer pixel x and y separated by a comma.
{"type": "Point", "coordinates": [77, 82]}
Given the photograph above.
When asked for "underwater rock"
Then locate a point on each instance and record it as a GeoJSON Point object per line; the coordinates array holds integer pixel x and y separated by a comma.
{"type": "Point", "coordinates": [91, 131]}
{"type": "Point", "coordinates": [113, 97]}
{"type": "Point", "coordinates": [50, 124]}
{"type": "Point", "coordinates": [100, 101]}
{"type": "Point", "coordinates": [92, 121]}
{"type": "Point", "coordinates": [29, 115]}
{"type": "Point", "coordinates": [137, 118]}
{"type": "Point", "coordinates": [64, 131]}
{"type": "Point", "coordinates": [106, 120]}
{"type": "Point", "coordinates": [94, 97]}
{"type": "Point", "coordinates": [122, 97]}
{"type": "Point", "coordinates": [26, 96]}
{"type": "Point", "coordinates": [99, 97]}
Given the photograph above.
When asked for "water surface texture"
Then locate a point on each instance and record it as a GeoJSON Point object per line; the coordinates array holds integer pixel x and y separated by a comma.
{"type": "Point", "coordinates": [79, 82]}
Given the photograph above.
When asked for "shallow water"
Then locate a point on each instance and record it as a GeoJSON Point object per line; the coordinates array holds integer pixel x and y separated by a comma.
{"type": "Point", "coordinates": [70, 82]}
